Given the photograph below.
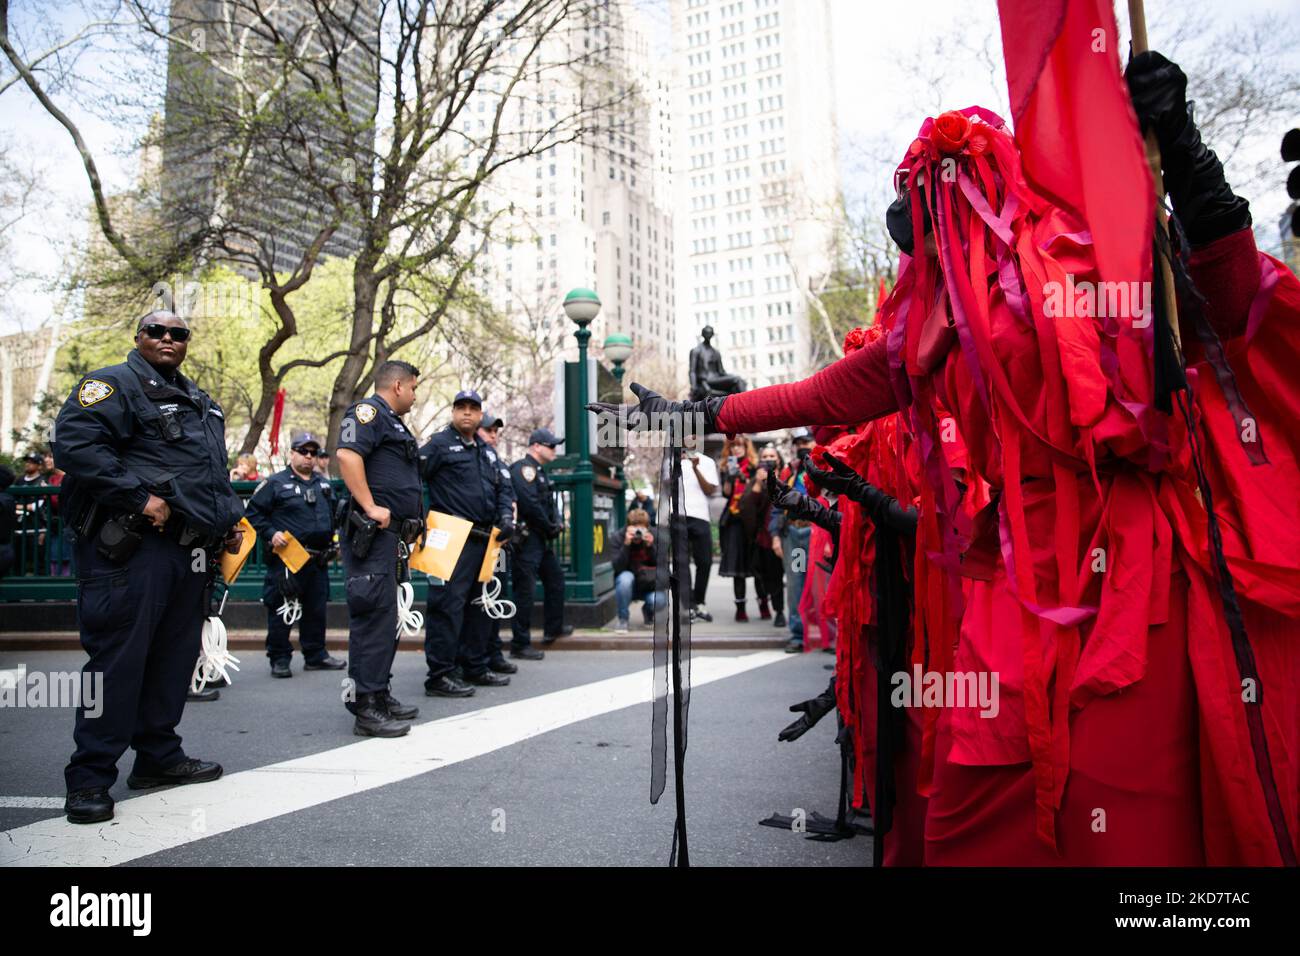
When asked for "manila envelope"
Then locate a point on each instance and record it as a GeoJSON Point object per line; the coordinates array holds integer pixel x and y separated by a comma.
{"type": "Point", "coordinates": [444, 540]}
{"type": "Point", "coordinates": [490, 559]}
{"type": "Point", "coordinates": [293, 554]}
{"type": "Point", "coordinates": [232, 564]}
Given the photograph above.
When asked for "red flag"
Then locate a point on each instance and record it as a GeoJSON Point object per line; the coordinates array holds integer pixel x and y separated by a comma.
{"type": "Point", "coordinates": [276, 415]}
{"type": "Point", "coordinates": [1079, 138]}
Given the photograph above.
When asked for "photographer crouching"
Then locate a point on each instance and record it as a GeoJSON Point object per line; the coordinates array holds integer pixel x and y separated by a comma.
{"type": "Point", "coordinates": [636, 560]}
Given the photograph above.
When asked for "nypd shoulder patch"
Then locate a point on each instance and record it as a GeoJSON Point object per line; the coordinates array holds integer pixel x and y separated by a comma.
{"type": "Point", "coordinates": [92, 391]}
{"type": "Point", "coordinates": [366, 413]}
{"type": "Point", "coordinates": [529, 472]}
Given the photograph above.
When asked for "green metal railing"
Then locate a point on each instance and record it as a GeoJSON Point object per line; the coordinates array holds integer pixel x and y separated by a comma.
{"type": "Point", "coordinates": [44, 551]}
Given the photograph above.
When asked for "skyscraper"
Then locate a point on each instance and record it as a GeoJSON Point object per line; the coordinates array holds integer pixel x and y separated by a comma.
{"type": "Point", "coordinates": [756, 176]}
{"type": "Point", "coordinates": [590, 213]}
{"type": "Point", "coordinates": [225, 77]}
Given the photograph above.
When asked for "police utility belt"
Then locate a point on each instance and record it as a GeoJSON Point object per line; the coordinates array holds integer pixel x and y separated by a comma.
{"type": "Point", "coordinates": [117, 536]}
{"type": "Point", "coordinates": [362, 529]}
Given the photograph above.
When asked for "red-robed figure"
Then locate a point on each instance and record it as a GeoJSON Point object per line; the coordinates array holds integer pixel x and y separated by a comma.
{"type": "Point", "coordinates": [1129, 727]}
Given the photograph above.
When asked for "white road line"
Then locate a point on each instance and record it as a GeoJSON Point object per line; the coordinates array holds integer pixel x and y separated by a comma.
{"type": "Point", "coordinates": [31, 803]}
{"type": "Point", "coordinates": [171, 818]}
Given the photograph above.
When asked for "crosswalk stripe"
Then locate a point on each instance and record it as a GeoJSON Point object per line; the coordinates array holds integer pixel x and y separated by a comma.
{"type": "Point", "coordinates": [170, 818]}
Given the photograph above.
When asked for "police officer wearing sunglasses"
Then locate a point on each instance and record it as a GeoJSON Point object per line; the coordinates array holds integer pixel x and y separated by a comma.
{"type": "Point", "coordinates": [149, 496]}
{"type": "Point", "coordinates": [298, 502]}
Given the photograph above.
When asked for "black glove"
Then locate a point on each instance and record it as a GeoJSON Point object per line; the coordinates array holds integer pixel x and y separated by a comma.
{"type": "Point", "coordinates": [802, 507]}
{"type": "Point", "coordinates": [883, 508]}
{"type": "Point", "coordinates": [505, 533]}
{"type": "Point", "coordinates": [553, 531]}
{"type": "Point", "coordinates": [1203, 201]}
{"type": "Point", "coordinates": [813, 711]}
{"type": "Point", "coordinates": [654, 412]}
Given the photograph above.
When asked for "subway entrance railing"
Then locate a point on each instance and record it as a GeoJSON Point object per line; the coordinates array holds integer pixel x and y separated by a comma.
{"type": "Point", "coordinates": [44, 552]}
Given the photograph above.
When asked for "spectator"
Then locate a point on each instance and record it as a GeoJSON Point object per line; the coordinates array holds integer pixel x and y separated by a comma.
{"type": "Point", "coordinates": [699, 482]}
{"type": "Point", "coordinates": [738, 528]}
{"type": "Point", "coordinates": [63, 540]}
{"type": "Point", "coordinates": [643, 501]}
{"type": "Point", "coordinates": [31, 512]}
{"type": "Point", "coordinates": [792, 537]}
{"type": "Point", "coordinates": [8, 521]}
{"type": "Point", "coordinates": [322, 464]}
{"type": "Point", "coordinates": [635, 566]}
{"type": "Point", "coordinates": [245, 469]}
{"type": "Point", "coordinates": [769, 570]}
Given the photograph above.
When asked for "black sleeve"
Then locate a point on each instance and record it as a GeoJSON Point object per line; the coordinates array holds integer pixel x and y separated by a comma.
{"type": "Point", "coordinates": [356, 435]}
{"type": "Point", "coordinates": [621, 560]}
{"type": "Point", "coordinates": [87, 433]}
{"type": "Point", "coordinates": [258, 511]}
{"type": "Point", "coordinates": [529, 499]}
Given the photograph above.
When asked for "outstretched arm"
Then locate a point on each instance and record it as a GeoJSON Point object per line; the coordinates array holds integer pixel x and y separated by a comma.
{"type": "Point", "coordinates": [854, 389]}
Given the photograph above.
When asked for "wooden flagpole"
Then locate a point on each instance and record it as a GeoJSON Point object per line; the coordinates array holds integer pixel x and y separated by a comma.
{"type": "Point", "coordinates": [1137, 21]}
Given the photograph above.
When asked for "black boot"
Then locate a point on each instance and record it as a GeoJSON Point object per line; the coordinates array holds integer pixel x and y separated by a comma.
{"type": "Point", "coordinates": [89, 806]}
{"type": "Point", "coordinates": [373, 719]}
{"type": "Point", "coordinates": [396, 709]}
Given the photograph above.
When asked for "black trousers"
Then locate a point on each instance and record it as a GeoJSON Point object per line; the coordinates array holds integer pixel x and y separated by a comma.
{"type": "Point", "coordinates": [455, 628]}
{"type": "Point", "coordinates": [533, 560]}
{"type": "Point", "coordinates": [699, 535]}
{"type": "Point", "coordinates": [141, 624]}
{"type": "Point", "coordinates": [313, 584]}
{"type": "Point", "coordinates": [372, 612]}
{"type": "Point", "coordinates": [769, 582]}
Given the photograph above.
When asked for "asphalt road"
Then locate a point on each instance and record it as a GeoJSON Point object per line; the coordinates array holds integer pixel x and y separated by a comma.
{"type": "Point", "coordinates": [551, 770]}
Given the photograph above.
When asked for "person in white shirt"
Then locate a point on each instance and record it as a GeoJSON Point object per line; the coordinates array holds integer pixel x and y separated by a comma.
{"type": "Point", "coordinates": [699, 482]}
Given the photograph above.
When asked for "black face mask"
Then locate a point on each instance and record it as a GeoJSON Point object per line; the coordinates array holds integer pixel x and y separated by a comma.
{"type": "Point", "coordinates": [898, 220]}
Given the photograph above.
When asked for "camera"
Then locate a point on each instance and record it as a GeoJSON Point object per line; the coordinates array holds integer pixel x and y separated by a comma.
{"type": "Point", "coordinates": [638, 535]}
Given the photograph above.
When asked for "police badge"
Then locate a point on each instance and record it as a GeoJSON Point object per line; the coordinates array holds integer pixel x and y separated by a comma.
{"type": "Point", "coordinates": [366, 413]}
{"type": "Point", "coordinates": [93, 390]}
{"type": "Point", "coordinates": [529, 472]}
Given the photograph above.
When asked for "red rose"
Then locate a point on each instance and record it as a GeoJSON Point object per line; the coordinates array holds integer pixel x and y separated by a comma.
{"type": "Point", "coordinates": [951, 130]}
{"type": "Point", "coordinates": [854, 340]}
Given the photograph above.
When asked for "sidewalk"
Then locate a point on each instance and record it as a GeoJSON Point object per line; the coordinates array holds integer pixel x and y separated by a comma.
{"type": "Point", "coordinates": [723, 634]}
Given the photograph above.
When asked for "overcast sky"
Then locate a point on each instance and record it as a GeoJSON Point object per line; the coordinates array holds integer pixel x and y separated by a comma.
{"type": "Point", "coordinates": [879, 105]}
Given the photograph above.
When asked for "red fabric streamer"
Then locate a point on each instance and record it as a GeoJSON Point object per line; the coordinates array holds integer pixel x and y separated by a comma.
{"type": "Point", "coordinates": [276, 416]}
{"type": "Point", "coordinates": [1079, 139]}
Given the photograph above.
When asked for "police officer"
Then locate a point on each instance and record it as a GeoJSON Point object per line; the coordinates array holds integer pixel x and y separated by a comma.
{"type": "Point", "coordinates": [533, 554]}
{"type": "Point", "coordinates": [149, 495]}
{"type": "Point", "coordinates": [463, 476]}
{"type": "Point", "coordinates": [489, 429]}
{"type": "Point", "coordinates": [299, 502]}
{"type": "Point", "coordinates": [379, 460]}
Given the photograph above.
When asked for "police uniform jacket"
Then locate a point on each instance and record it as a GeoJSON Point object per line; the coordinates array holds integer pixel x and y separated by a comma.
{"type": "Point", "coordinates": [464, 479]}
{"type": "Point", "coordinates": [375, 432]}
{"type": "Point", "coordinates": [302, 507]}
{"type": "Point", "coordinates": [130, 430]}
{"type": "Point", "coordinates": [533, 492]}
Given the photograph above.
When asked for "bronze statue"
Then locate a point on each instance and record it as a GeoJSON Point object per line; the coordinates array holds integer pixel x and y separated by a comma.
{"type": "Point", "coordinates": [708, 378]}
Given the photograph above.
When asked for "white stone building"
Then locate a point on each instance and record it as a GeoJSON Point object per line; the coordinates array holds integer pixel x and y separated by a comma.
{"type": "Point", "coordinates": [755, 167]}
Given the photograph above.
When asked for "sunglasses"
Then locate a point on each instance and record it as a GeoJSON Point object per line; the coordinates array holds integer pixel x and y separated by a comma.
{"type": "Point", "coordinates": [158, 331]}
{"type": "Point", "coordinates": [305, 453]}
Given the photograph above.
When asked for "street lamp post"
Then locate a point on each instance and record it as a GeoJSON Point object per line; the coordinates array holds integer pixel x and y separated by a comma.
{"type": "Point", "coordinates": [582, 306]}
{"type": "Point", "coordinates": [618, 349]}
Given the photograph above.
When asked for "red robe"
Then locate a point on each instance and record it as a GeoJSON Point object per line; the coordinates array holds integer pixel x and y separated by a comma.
{"type": "Point", "coordinates": [1128, 741]}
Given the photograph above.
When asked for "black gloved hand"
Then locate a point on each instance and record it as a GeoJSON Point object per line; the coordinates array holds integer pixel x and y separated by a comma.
{"type": "Point", "coordinates": [654, 412]}
{"type": "Point", "coordinates": [813, 711]}
{"type": "Point", "coordinates": [883, 508]}
{"type": "Point", "coordinates": [1203, 201]}
{"type": "Point", "coordinates": [553, 531]}
{"type": "Point", "coordinates": [1158, 89]}
{"type": "Point", "coordinates": [505, 533]}
{"type": "Point", "coordinates": [840, 479]}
